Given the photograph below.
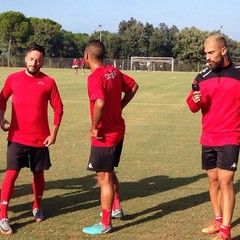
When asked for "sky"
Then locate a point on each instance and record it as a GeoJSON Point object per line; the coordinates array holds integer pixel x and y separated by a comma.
{"type": "Point", "coordinates": [83, 16]}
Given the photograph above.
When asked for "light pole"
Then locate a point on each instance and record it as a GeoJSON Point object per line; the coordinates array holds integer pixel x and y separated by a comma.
{"type": "Point", "coordinates": [221, 30]}
{"type": "Point", "coordinates": [100, 32]}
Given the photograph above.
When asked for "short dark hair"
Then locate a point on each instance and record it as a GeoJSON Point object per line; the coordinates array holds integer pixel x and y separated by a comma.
{"type": "Point", "coordinates": [35, 47]}
{"type": "Point", "coordinates": [96, 48]}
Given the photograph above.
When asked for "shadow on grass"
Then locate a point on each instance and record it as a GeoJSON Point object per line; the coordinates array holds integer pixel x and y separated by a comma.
{"type": "Point", "coordinates": [78, 193]}
{"type": "Point", "coordinates": [154, 185]}
{"type": "Point", "coordinates": [83, 193]}
{"type": "Point", "coordinates": [175, 205]}
{"type": "Point", "coordinates": [2, 171]}
{"type": "Point", "coordinates": [237, 221]}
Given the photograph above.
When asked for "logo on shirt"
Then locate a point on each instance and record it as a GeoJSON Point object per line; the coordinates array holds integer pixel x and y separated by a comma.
{"type": "Point", "coordinates": [40, 83]}
{"type": "Point", "coordinates": [110, 75]}
{"type": "Point", "coordinates": [4, 203]}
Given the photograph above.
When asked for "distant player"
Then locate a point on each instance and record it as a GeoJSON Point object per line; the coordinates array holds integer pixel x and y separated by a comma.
{"type": "Point", "coordinates": [106, 85]}
{"type": "Point", "coordinates": [29, 135]}
{"type": "Point", "coordinates": [75, 65]}
{"type": "Point", "coordinates": [82, 65]}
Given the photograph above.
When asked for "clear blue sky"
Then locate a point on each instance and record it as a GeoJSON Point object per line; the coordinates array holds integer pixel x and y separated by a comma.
{"type": "Point", "coordinates": [83, 16]}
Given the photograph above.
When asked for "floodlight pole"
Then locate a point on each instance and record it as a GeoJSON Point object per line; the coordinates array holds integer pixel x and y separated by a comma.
{"type": "Point", "coordinates": [221, 30]}
{"type": "Point", "coordinates": [100, 32]}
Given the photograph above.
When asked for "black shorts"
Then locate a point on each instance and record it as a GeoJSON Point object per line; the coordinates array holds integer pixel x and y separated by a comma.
{"type": "Point", "coordinates": [224, 157]}
{"type": "Point", "coordinates": [104, 159]}
{"type": "Point", "coordinates": [20, 156]}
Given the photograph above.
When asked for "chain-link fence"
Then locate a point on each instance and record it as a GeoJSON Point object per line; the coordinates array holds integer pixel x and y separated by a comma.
{"type": "Point", "coordinates": [122, 64]}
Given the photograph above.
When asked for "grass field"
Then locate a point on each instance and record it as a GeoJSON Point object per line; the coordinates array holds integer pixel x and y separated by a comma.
{"type": "Point", "coordinates": [164, 192]}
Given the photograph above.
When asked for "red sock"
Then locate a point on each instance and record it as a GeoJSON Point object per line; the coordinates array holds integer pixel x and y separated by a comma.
{"type": "Point", "coordinates": [225, 230]}
{"type": "Point", "coordinates": [7, 191]}
{"type": "Point", "coordinates": [218, 219]}
{"type": "Point", "coordinates": [116, 203]}
{"type": "Point", "coordinates": [38, 186]}
{"type": "Point", "coordinates": [106, 217]}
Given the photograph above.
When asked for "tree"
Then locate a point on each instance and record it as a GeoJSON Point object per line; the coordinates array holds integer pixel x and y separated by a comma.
{"type": "Point", "coordinates": [162, 41]}
{"type": "Point", "coordinates": [148, 33]}
{"type": "Point", "coordinates": [64, 45]}
{"type": "Point", "coordinates": [104, 35]}
{"type": "Point", "coordinates": [236, 56]}
{"type": "Point", "coordinates": [45, 32]}
{"type": "Point", "coordinates": [114, 45]}
{"type": "Point", "coordinates": [189, 44]}
{"type": "Point", "coordinates": [233, 49]}
{"type": "Point", "coordinates": [68, 45]}
{"type": "Point", "coordinates": [134, 38]}
{"type": "Point", "coordinates": [125, 25]}
{"type": "Point", "coordinates": [81, 40]}
{"type": "Point", "coordinates": [14, 31]}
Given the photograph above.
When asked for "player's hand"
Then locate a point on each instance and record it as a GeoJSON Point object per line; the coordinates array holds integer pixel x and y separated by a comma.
{"type": "Point", "coordinates": [4, 125]}
{"type": "Point", "coordinates": [196, 96]}
{"type": "Point", "coordinates": [95, 133]}
{"type": "Point", "coordinates": [49, 141]}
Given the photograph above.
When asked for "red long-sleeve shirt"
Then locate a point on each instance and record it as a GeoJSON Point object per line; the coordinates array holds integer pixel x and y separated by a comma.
{"type": "Point", "coordinates": [30, 97]}
{"type": "Point", "coordinates": [220, 105]}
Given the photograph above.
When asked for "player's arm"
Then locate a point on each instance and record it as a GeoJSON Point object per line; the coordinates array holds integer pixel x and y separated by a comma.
{"type": "Point", "coordinates": [51, 139]}
{"type": "Point", "coordinates": [97, 116]}
{"type": "Point", "coordinates": [4, 95]}
{"type": "Point", "coordinates": [57, 105]}
{"type": "Point", "coordinates": [129, 95]}
{"type": "Point", "coordinates": [3, 121]}
{"type": "Point", "coordinates": [193, 101]}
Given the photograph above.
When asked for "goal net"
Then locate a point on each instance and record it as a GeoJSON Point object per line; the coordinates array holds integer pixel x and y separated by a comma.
{"type": "Point", "coordinates": [152, 63]}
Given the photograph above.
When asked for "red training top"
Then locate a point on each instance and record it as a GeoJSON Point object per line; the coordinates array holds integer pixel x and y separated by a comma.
{"type": "Point", "coordinates": [82, 62]}
{"type": "Point", "coordinates": [75, 63]}
{"type": "Point", "coordinates": [30, 96]}
{"type": "Point", "coordinates": [220, 105]}
{"type": "Point", "coordinates": [108, 83]}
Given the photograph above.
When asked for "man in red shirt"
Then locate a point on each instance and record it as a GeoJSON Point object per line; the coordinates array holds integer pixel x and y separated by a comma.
{"type": "Point", "coordinates": [75, 65]}
{"type": "Point", "coordinates": [218, 97]}
{"type": "Point", "coordinates": [105, 87]}
{"type": "Point", "coordinates": [82, 65]}
{"type": "Point", "coordinates": [29, 135]}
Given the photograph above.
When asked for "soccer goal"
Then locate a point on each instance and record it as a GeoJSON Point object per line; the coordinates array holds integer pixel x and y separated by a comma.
{"type": "Point", "coordinates": [152, 63]}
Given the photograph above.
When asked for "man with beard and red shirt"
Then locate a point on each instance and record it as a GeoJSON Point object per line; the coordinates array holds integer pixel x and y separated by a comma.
{"type": "Point", "coordinates": [29, 135]}
{"type": "Point", "coordinates": [218, 98]}
{"type": "Point", "coordinates": [106, 85]}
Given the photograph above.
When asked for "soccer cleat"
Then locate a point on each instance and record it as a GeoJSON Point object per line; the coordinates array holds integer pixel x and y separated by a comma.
{"type": "Point", "coordinates": [222, 236]}
{"type": "Point", "coordinates": [5, 227]}
{"type": "Point", "coordinates": [117, 214]}
{"type": "Point", "coordinates": [97, 229]}
{"type": "Point", "coordinates": [212, 228]}
{"type": "Point", "coordinates": [37, 214]}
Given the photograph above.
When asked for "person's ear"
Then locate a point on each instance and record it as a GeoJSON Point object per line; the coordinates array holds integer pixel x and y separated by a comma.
{"type": "Point", "coordinates": [224, 51]}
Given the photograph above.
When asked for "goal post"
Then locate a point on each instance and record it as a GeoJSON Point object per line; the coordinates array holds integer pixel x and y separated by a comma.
{"type": "Point", "coordinates": [152, 63]}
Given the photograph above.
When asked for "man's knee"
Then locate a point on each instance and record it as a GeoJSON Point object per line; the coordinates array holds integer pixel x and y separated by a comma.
{"type": "Point", "coordinates": [105, 178]}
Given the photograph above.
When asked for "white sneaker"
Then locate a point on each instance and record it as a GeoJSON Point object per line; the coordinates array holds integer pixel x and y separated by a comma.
{"type": "Point", "coordinates": [5, 227]}
{"type": "Point", "coordinates": [38, 215]}
{"type": "Point", "coordinates": [117, 214]}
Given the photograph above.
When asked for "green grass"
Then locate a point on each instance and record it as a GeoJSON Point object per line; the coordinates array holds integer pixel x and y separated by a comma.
{"type": "Point", "coordinates": [164, 192]}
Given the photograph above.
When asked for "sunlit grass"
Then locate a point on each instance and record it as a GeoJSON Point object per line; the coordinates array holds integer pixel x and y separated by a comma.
{"type": "Point", "coordinates": [163, 190]}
